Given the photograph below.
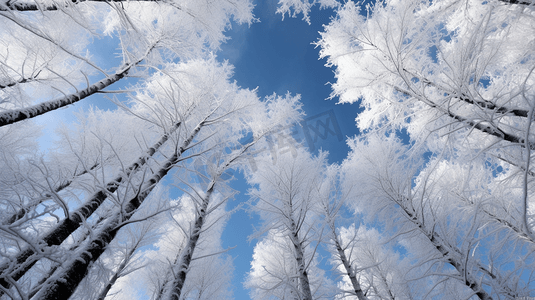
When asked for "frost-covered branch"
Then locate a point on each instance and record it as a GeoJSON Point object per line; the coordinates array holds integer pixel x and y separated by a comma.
{"type": "Point", "coordinates": [8, 117]}
{"type": "Point", "coordinates": [24, 210]}
{"type": "Point", "coordinates": [22, 80]}
{"type": "Point", "coordinates": [484, 104]}
{"type": "Point", "coordinates": [14, 5]}
{"type": "Point", "coordinates": [286, 200]}
{"type": "Point", "coordinates": [483, 126]}
{"type": "Point", "coordinates": [452, 259]}
{"type": "Point", "coordinates": [123, 267]}
{"type": "Point", "coordinates": [26, 258]}
{"type": "Point", "coordinates": [61, 286]}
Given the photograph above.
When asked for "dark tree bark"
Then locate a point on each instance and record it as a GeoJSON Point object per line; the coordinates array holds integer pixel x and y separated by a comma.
{"type": "Point", "coordinates": [27, 258]}
{"type": "Point", "coordinates": [176, 286]}
{"type": "Point", "coordinates": [451, 255]}
{"type": "Point", "coordinates": [57, 265]}
{"type": "Point", "coordinates": [300, 259]}
{"type": "Point", "coordinates": [63, 285]}
{"type": "Point", "coordinates": [483, 127]}
{"type": "Point", "coordinates": [331, 209]}
{"type": "Point", "coordinates": [527, 3]}
{"type": "Point", "coordinates": [483, 104]}
{"type": "Point", "coordinates": [350, 272]}
{"type": "Point", "coordinates": [15, 6]}
{"type": "Point", "coordinates": [186, 257]}
{"type": "Point", "coordinates": [12, 116]}
{"type": "Point", "coordinates": [15, 82]}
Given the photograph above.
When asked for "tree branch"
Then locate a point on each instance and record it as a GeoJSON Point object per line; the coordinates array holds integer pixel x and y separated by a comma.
{"type": "Point", "coordinates": [488, 129]}
{"type": "Point", "coordinates": [20, 6]}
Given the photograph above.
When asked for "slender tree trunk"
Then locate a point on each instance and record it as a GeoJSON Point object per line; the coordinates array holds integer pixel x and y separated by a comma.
{"type": "Point", "coordinates": [185, 260]}
{"type": "Point", "coordinates": [348, 267]}
{"type": "Point", "coordinates": [481, 126]}
{"type": "Point", "coordinates": [483, 104]}
{"type": "Point", "coordinates": [510, 226]}
{"type": "Point", "coordinates": [304, 284]}
{"type": "Point", "coordinates": [168, 277]}
{"type": "Point", "coordinates": [57, 265]}
{"type": "Point", "coordinates": [387, 288]}
{"type": "Point", "coordinates": [117, 273]}
{"type": "Point", "coordinates": [12, 116]}
{"type": "Point", "coordinates": [187, 253]}
{"type": "Point", "coordinates": [452, 256]}
{"type": "Point", "coordinates": [26, 258]}
{"type": "Point", "coordinates": [15, 6]}
{"type": "Point", "coordinates": [63, 285]}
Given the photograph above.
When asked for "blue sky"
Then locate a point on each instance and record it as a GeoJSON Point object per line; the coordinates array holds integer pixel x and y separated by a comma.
{"type": "Point", "coordinates": [278, 56]}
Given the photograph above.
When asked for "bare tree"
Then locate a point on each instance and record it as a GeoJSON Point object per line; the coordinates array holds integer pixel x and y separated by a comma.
{"type": "Point", "coordinates": [331, 200]}
{"type": "Point", "coordinates": [380, 270]}
{"type": "Point", "coordinates": [455, 84]}
{"type": "Point", "coordinates": [196, 116]}
{"type": "Point", "coordinates": [67, 226]}
{"type": "Point", "coordinates": [46, 51]}
{"type": "Point", "coordinates": [211, 196]}
{"type": "Point", "coordinates": [215, 120]}
{"type": "Point", "coordinates": [285, 199]}
{"type": "Point", "coordinates": [128, 264]}
{"type": "Point", "coordinates": [423, 208]}
{"type": "Point", "coordinates": [143, 46]}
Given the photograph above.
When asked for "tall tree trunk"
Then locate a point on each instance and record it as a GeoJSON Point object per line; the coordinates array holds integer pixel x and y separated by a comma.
{"type": "Point", "coordinates": [16, 6]}
{"type": "Point", "coordinates": [57, 265]}
{"type": "Point", "coordinates": [26, 259]}
{"type": "Point", "coordinates": [304, 284]}
{"type": "Point", "coordinates": [63, 285]}
{"type": "Point", "coordinates": [12, 116]}
{"type": "Point", "coordinates": [176, 286]}
{"type": "Point", "coordinates": [348, 267]}
{"type": "Point", "coordinates": [453, 256]}
{"type": "Point", "coordinates": [175, 289]}
{"type": "Point", "coordinates": [483, 104]}
{"type": "Point", "coordinates": [117, 273]}
{"type": "Point", "coordinates": [168, 277]}
{"type": "Point", "coordinates": [483, 127]}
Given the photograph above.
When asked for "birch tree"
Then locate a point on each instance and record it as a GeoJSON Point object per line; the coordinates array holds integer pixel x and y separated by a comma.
{"type": "Point", "coordinates": [379, 270]}
{"type": "Point", "coordinates": [197, 112]}
{"type": "Point", "coordinates": [55, 234]}
{"type": "Point", "coordinates": [331, 203]}
{"type": "Point", "coordinates": [199, 244]}
{"type": "Point", "coordinates": [456, 76]}
{"type": "Point", "coordinates": [54, 57]}
{"type": "Point", "coordinates": [286, 197]}
{"type": "Point", "coordinates": [121, 260]}
{"type": "Point", "coordinates": [206, 200]}
{"type": "Point", "coordinates": [428, 210]}
{"type": "Point", "coordinates": [133, 200]}
{"type": "Point", "coordinates": [165, 254]}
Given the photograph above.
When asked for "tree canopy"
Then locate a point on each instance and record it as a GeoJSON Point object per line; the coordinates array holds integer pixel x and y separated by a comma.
{"type": "Point", "coordinates": [433, 200]}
